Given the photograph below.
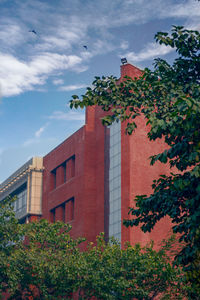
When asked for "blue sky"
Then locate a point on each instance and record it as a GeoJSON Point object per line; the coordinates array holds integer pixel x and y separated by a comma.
{"type": "Point", "coordinates": [39, 72]}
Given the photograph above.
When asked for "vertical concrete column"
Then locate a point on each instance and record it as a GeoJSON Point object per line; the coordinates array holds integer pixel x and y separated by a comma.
{"type": "Point", "coordinates": [28, 192]}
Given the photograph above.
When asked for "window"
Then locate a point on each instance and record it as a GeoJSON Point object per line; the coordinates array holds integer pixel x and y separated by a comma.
{"type": "Point", "coordinates": [63, 212]}
{"type": "Point", "coordinates": [53, 179]}
{"type": "Point", "coordinates": [115, 181]}
{"type": "Point", "coordinates": [21, 198]}
{"type": "Point", "coordinates": [63, 172]}
{"type": "Point", "coordinates": [53, 215]}
{"type": "Point", "coordinates": [70, 168]}
{"type": "Point", "coordinates": [69, 207]}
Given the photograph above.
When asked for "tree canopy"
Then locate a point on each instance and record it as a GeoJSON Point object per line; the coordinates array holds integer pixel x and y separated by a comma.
{"type": "Point", "coordinates": [37, 260]}
{"type": "Point", "coordinates": [42, 261]}
{"type": "Point", "coordinates": [169, 98]}
{"type": "Point", "coordinates": [109, 272]}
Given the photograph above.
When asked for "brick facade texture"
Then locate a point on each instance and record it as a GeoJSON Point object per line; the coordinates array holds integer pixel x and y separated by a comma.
{"type": "Point", "coordinates": [75, 179]}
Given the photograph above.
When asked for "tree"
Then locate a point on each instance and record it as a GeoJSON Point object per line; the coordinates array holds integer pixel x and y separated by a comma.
{"type": "Point", "coordinates": [109, 272]}
{"type": "Point", "coordinates": [169, 98]}
{"type": "Point", "coordinates": [47, 264]}
{"type": "Point", "coordinates": [37, 260]}
{"type": "Point", "coordinates": [10, 236]}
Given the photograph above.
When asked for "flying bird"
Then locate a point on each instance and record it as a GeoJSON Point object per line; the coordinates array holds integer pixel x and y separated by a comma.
{"type": "Point", "coordinates": [85, 47]}
{"type": "Point", "coordinates": [33, 31]}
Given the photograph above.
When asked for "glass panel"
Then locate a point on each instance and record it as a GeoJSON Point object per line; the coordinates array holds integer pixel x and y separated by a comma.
{"type": "Point", "coordinates": [115, 229]}
{"type": "Point", "coordinates": [111, 218]}
{"type": "Point", "coordinates": [115, 181]}
{"type": "Point", "coordinates": [21, 201]}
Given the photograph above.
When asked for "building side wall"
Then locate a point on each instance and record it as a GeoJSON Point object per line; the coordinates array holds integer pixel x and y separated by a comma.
{"type": "Point", "coordinates": [86, 187]}
{"type": "Point", "coordinates": [95, 170]}
{"type": "Point", "coordinates": [76, 185]}
{"type": "Point", "coordinates": [141, 176]}
{"type": "Point", "coordinates": [138, 175]}
{"type": "Point", "coordinates": [26, 185]}
{"type": "Point", "coordinates": [55, 198]}
{"type": "Point", "coordinates": [35, 193]}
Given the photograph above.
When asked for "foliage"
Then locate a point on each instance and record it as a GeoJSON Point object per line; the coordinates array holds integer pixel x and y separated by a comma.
{"type": "Point", "coordinates": [47, 264]}
{"type": "Point", "coordinates": [109, 272]}
{"type": "Point", "coordinates": [169, 98]}
{"type": "Point", "coordinates": [43, 265]}
{"type": "Point", "coordinates": [9, 227]}
{"type": "Point", "coordinates": [10, 236]}
{"type": "Point", "coordinates": [193, 277]}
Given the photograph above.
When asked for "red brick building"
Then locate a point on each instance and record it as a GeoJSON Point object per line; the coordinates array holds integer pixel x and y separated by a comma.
{"type": "Point", "coordinates": [91, 179]}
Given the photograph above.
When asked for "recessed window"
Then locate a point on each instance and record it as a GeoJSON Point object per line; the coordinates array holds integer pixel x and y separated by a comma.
{"type": "Point", "coordinates": [69, 210]}
{"type": "Point", "coordinates": [63, 212]}
{"type": "Point", "coordinates": [21, 198]}
{"type": "Point", "coordinates": [70, 167]}
{"type": "Point", "coordinates": [53, 215]}
{"type": "Point", "coordinates": [53, 179]}
{"type": "Point", "coordinates": [63, 172]}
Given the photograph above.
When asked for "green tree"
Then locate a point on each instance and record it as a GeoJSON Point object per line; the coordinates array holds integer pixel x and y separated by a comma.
{"type": "Point", "coordinates": [37, 260]}
{"type": "Point", "coordinates": [10, 236]}
{"type": "Point", "coordinates": [169, 98]}
{"type": "Point", "coordinates": [109, 272]}
{"type": "Point", "coordinates": [47, 264]}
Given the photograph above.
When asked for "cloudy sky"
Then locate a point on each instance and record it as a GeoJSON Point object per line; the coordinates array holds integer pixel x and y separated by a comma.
{"type": "Point", "coordinates": [40, 71]}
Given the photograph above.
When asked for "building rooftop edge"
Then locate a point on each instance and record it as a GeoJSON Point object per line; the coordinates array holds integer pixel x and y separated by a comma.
{"type": "Point", "coordinates": [19, 171]}
{"type": "Point", "coordinates": [121, 66]}
{"type": "Point", "coordinates": [81, 128]}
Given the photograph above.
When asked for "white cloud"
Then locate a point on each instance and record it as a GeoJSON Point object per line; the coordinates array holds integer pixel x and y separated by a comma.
{"type": "Point", "coordinates": [10, 33]}
{"type": "Point", "coordinates": [124, 45]}
{"type": "Point", "coordinates": [80, 68]}
{"type": "Point", "coordinates": [68, 116]}
{"type": "Point", "coordinates": [36, 138]}
{"type": "Point", "coordinates": [152, 50]}
{"type": "Point", "coordinates": [40, 131]}
{"type": "Point", "coordinates": [17, 76]}
{"type": "Point", "coordinates": [74, 87]}
{"type": "Point", "coordinates": [194, 24]}
{"type": "Point", "coordinates": [1, 93]}
{"type": "Point", "coordinates": [101, 46]}
{"type": "Point", "coordinates": [27, 60]}
{"type": "Point", "coordinates": [189, 9]}
{"type": "Point", "coordinates": [58, 81]}
{"type": "Point", "coordinates": [61, 39]}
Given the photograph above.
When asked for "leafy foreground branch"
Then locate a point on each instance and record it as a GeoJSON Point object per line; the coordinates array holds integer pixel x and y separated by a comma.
{"type": "Point", "coordinates": [42, 263]}
{"type": "Point", "coordinates": [47, 264]}
{"type": "Point", "coordinates": [108, 272]}
{"type": "Point", "coordinates": [169, 99]}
